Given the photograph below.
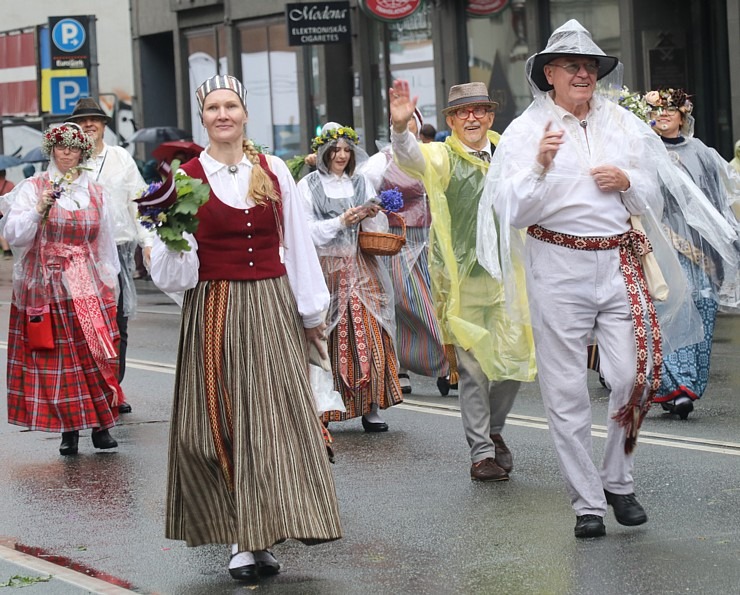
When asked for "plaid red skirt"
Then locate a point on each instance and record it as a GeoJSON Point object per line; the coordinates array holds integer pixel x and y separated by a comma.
{"type": "Point", "coordinates": [61, 389]}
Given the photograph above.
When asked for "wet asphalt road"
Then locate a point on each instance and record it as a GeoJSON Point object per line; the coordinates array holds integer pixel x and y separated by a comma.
{"type": "Point", "coordinates": [413, 520]}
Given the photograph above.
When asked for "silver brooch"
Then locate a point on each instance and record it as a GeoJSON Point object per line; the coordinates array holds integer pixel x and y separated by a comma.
{"type": "Point", "coordinates": [233, 169]}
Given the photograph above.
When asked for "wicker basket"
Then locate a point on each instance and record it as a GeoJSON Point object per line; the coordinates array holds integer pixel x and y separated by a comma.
{"type": "Point", "coordinates": [383, 244]}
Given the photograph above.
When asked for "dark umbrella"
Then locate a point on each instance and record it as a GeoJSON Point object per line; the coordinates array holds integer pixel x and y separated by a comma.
{"type": "Point", "coordinates": [35, 156]}
{"type": "Point", "coordinates": [8, 161]}
{"type": "Point", "coordinates": [159, 134]}
{"type": "Point", "coordinates": [167, 151]}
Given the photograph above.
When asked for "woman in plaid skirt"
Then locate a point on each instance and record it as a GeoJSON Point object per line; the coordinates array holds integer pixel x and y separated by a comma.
{"type": "Point", "coordinates": [62, 342]}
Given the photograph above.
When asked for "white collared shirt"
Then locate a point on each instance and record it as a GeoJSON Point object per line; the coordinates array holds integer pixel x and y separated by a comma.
{"type": "Point", "coordinates": [178, 271]}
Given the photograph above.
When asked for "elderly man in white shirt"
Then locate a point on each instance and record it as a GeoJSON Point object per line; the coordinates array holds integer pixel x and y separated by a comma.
{"type": "Point", "coordinates": [115, 170]}
{"type": "Point", "coordinates": [573, 169]}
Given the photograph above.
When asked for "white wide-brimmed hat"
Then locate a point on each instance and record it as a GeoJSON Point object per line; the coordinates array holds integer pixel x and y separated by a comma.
{"type": "Point", "coordinates": [570, 39]}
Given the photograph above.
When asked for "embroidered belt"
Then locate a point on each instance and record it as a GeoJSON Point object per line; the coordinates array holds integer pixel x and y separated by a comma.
{"type": "Point", "coordinates": [632, 245]}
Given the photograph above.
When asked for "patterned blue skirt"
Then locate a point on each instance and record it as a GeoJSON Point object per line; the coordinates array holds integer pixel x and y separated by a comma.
{"type": "Point", "coordinates": [686, 370]}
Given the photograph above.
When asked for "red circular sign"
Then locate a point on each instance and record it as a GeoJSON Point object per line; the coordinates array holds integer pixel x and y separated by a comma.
{"type": "Point", "coordinates": [390, 10]}
{"type": "Point", "coordinates": [484, 8]}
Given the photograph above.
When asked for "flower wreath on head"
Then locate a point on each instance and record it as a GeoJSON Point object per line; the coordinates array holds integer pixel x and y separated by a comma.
{"type": "Point", "coordinates": [67, 135]}
{"type": "Point", "coordinates": [664, 98]}
{"type": "Point", "coordinates": [334, 134]}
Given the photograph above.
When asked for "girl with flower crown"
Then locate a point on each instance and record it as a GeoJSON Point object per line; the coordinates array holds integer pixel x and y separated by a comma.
{"type": "Point", "coordinates": [712, 274]}
{"type": "Point", "coordinates": [62, 341]}
{"type": "Point", "coordinates": [361, 318]}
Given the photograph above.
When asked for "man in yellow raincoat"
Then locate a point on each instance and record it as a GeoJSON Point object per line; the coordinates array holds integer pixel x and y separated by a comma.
{"type": "Point", "coordinates": [494, 353]}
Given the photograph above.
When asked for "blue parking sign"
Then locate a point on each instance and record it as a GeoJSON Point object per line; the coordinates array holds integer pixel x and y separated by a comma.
{"type": "Point", "coordinates": [65, 91]}
{"type": "Point", "coordinates": [68, 35]}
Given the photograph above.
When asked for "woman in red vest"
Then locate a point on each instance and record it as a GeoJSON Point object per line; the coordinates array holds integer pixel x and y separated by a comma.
{"type": "Point", "coordinates": [361, 317]}
{"type": "Point", "coordinates": [247, 463]}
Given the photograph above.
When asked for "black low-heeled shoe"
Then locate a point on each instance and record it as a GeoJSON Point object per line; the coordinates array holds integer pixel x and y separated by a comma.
{"type": "Point", "coordinates": [69, 443]}
{"type": "Point", "coordinates": [267, 564]}
{"type": "Point", "coordinates": [103, 440]}
{"type": "Point", "coordinates": [374, 426]}
{"type": "Point", "coordinates": [248, 572]}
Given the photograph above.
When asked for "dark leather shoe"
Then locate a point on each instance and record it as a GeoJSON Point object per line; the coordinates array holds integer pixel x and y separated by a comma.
{"type": "Point", "coordinates": [103, 440]}
{"type": "Point", "coordinates": [69, 443]}
{"type": "Point", "coordinates": [627, 509]}
{"type": "Point", "coordinates": [589, 525]}
{"type": "Point", "coordinates": [374, 426]}
{"type": "Point", "coordinates": [405, 386]}
{"type": "Point", "coordinates": [244, 573]}
{"type": "Point", "coordinates": [124, 408]}
{"type": "Point", "coordinates": [503, 454]}
{"type": "Point", "coordinates": [267, 564]}
{"type": "Point", "coordinates": [487, 470]}
{"type": "Point", "coordinates": [682, 406]}
{"type": "Point", "coordinates": [443, 385]}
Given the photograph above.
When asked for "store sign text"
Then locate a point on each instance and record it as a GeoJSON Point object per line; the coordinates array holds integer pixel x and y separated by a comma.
{"type": "Point", "coordinates": [318, 23]}
{"type": "Point", "coordinates": [484, 8]}
{"type": "Point", "coordinates": [390, 10]}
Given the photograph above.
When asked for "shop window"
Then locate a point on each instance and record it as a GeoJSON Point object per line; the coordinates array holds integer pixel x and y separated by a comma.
{"type": "Point", "coordinates": [599, 17]}
{"type": "Point", "coordinates": [270, 74]}
{"type": "Point", "coordinates": [206, 58]}
{"type": "Point", "coordinates": [498, 48]}
{"type": "Point", "coordinates": [411, 57]}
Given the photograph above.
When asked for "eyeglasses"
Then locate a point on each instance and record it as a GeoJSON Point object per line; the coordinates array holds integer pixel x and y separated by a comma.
{"type": "Point", "coordinates": [575, 68]}
{"type": "Point", "coordinates": [478, 112]}
{"type": "Point", "coordinates": [670, 110]}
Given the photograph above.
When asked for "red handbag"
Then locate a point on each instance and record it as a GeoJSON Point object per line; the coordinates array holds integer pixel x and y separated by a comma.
{"type": "Point", "coordinates": [38, 329]}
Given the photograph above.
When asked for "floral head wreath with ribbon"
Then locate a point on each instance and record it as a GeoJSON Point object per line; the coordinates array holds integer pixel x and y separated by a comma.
{"type": "Point", "coordinates": [69, 135]}
{"type": "Point", "coordinates": [664, 98]}
{"type": "Point", "coordinates": [333, 135]}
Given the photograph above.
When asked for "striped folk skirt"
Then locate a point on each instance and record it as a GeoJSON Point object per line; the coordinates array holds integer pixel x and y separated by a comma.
{"type": "Point", "coordinates": [247, 460]}
{"type": "Point", "coordinates": [418, 338]}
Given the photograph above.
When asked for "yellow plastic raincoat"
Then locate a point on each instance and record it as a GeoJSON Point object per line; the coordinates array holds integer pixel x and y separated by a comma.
{"type": "Point", "coordinates": [468, 301]}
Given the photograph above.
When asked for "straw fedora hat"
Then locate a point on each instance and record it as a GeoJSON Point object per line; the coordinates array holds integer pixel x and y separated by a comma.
{"type": "Point", "coordinates": [87, 107]}
{"type": "Point", "coordinates": [468, 94]}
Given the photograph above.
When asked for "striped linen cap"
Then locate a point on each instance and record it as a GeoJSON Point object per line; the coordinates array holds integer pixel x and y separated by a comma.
{"type": "Point", "coordinates": [220, 81]}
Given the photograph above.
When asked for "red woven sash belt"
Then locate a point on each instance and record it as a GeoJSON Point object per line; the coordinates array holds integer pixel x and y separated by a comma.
{"type": "Point", "coordinates": [631, 245]}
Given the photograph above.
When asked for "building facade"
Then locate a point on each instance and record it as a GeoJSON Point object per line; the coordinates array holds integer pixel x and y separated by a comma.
{"type": "Point", "coordinates": [293, 89]}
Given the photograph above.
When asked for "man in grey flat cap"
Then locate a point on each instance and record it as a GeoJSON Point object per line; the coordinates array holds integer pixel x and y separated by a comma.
{"type": "Point", "coordinates": [493, 352]}
{"type": "Point", "coordinates": [573, 169]}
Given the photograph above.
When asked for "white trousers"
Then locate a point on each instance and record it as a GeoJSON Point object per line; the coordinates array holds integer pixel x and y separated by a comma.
{"type": "Point", "coordinates": [484, 405]}
{"type": "Point", "coordinates": [574, 297]}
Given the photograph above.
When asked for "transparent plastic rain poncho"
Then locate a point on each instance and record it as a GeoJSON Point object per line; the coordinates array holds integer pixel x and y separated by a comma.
{"type": "Point", "coordinates": [348, 271]}
{"type": "Point", "coordinates": [59, 258]}
{"type": "Point", "coordinates": [469, 303]}
{"type": "Point", "coordinates": [709, 244]}
{"type": "Point", "coordinates": [615, 137]}
{"type": "Point", "coordinates": [385, 174]}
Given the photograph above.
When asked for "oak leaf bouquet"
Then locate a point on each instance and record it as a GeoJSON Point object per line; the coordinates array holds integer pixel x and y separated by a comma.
{"type": "Point", "coordinates": [170, 207]}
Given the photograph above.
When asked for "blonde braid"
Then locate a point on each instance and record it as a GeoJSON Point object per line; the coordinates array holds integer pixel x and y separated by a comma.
{"type": "Point", "coordinates": [261, 188]}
